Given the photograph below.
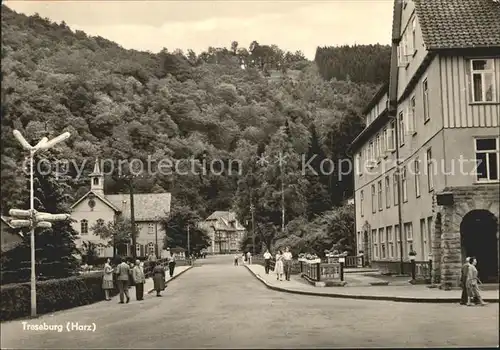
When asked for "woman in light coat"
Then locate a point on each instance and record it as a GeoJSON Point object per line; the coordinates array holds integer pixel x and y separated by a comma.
{"type": "Point", "coordinates": [278, 267]}
{"type": "Point", "coordinates": [107, 279]}
{"type": "Point", "coordinates": [473, 284]}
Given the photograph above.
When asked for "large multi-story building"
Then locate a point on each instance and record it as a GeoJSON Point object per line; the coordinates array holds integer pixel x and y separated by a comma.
{"type": "Point", "coordinates": [427, 178]}
{"type": "Point", "coordinates": [225, 232]}
{"type": "Point", "coordinates": [97, 207]}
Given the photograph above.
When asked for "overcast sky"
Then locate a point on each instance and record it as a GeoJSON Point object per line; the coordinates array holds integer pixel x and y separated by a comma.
{"type": "Point", "coordinates": [292, 25]}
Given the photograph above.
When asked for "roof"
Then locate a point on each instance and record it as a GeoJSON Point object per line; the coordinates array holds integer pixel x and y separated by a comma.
{"type": "Point", "coordinates": [458, 24]}
{"type": "Point", "coordinates": [383, 90]}
{"type": "Point", "coordinates": [103, 199]}
{"type": "Point", "coordinates": [225, 221]}
{"type": "Point", "coordinates": [147, 206]}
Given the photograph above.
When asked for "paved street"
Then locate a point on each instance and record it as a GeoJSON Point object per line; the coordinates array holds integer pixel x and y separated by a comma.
{"type": "Point", "coordinates": [218, 305]}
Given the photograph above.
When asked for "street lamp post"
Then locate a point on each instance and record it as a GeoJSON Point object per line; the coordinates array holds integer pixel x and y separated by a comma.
{"type": "Point", "coordinates": [252, 209]}
{"type": "Point", "coordinates": [41, 220]}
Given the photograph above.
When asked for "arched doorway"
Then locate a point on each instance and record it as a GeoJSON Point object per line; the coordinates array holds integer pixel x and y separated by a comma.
{"type": "Point", "coordinates": [478, 235]}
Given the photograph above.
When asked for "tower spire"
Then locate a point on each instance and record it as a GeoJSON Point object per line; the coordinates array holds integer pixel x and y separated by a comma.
{"type": "Point", "coordinates": [97, 179]}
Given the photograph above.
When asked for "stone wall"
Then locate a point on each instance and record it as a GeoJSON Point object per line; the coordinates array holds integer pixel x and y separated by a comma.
{"type": "Point", "coordinates": [447, 250]}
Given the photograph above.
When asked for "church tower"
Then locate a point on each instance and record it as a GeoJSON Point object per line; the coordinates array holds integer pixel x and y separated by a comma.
{"type": "Point", "coordinates": [97, 180]}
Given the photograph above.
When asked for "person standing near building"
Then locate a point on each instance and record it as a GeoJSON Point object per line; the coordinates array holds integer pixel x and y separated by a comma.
{"type": "Point", "coordinates": [158, 278]}
{"type": "Point", "coordinates": [236, 258]}
{"type": "Point", "coordinates": [249, 258]}
{"type": "Point", "coordinates": [473, 284]}
{"type": "Point", "coordinates": [278, 267]}
{"type": "Point", "coordinates": [171, 265]}
{"type": "Point", "coordinates": [139, 280]}
{"type": "Point", "coordinates": [123, 275]}
{"type": "Point", "coordinates": [463, 281]}
{"type": "Point", "coordinates": [107, 279]}
{"type": "Point", "coordinates": [287, 263]}
{"type": "Point", "coordinates": [267, 261]}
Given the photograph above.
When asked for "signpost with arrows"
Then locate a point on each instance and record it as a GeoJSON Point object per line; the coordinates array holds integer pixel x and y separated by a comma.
{"type": "Point", "coordinates": [31, 218]}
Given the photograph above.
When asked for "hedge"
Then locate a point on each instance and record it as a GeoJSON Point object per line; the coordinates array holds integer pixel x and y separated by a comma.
{"type": "Point", "coordinates": [52, 295]}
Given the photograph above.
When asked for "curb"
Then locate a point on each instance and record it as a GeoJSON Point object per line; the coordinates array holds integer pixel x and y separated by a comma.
{"type": "Point", "coordinates": [173, 278]}
{"type": "Point", "coordinates": [365, 297]}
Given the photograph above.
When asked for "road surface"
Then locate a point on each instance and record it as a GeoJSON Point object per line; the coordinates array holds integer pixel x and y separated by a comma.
{"type": "Point", "coordinates": [219, 305]}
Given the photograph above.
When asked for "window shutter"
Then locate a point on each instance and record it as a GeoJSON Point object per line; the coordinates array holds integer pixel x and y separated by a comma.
{"type": "Point", "coordinates": [469, 80]}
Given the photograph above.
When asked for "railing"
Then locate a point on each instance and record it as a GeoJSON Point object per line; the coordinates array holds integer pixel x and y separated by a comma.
{"type": "Point", "coordinates": [350, 261]}
{"type": "Point", "coordinates": [318, 271]}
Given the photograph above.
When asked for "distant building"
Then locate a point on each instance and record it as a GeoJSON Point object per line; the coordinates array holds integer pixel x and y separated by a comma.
{"type": "Point", "coordinates": [442, 105]}
{"type": "Point", "coordinates": [96, 206]}
{"type": "Point", "coordinates": [225, 232]}
{"type": "Point", "coordinates": [11, 237]}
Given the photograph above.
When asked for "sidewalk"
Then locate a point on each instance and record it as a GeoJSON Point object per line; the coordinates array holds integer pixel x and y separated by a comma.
{"type": "Point", "coordinates": [407, 293]}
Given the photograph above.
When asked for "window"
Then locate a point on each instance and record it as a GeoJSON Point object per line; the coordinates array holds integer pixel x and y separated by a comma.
{"type": "Point", "coordinates": [358, 164]}
{"type": "Point", "coordinates": [391, 142]}
{"type": "Point", "coordinates": [383, 143]}
{"type": "Point", "coordinates": [397, 239]}
{"type": "Point", "coordinates": [390, 241]}
{"type": "Point", "coordinates": [483, 80]}
{"type": "Point", "coordinates": [430, 170]}
{"type": "Point", "coordinates": [361, 202]}
{"type": "Point", "coordinates": [401, 128]}
{"type": "Point", "coordinates": [377, 147]}
{"type": "Point", "coordinates": [387, 192]}
{"type": "Point", "coordinates": [487, 159]}
{"type": "Point", "coordinates": [395, 188]}
{"type": "Point", "coordinates": [84, 227]}
{"type": "Point", "coordinates": [423, 238]}
{"type": "Point", "coordinates": [403, 51]}
{"type": "Point", "coordinates": [408, 231]}
{"type": "Point", "coordinates": [380, 200]}
{"type": "Point", "coordinates": [374, 242]}
{"type": "Point", "coordinates": [151, 228]}
{"type": "Point", "coordinates": [429, 233]}
{"type": "Point", "coordinates": [404, 185]}
{"type": "Point", "coordinates": [374, 208]}
{"type": "Point", "coordinates": [414, 35]}
{"type": "Point", "coordinates": [100, 222]}
{"type": "Point", "coordinates": [151, 248]}
{"type": "Point", "coordinates": [381, 236]}
{"type": "Point", "coordinates": [425, 93]}
{"type": "Point", "coordinates": [416, 163]}
{"type": "Point", "coordinates": [96, 181]}
{"type": "Point", "coordinates": [371, 151]}
{"type": "Point", "coordinates": [412, 118]}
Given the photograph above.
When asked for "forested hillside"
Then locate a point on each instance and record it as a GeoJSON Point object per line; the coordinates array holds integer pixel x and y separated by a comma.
{"type": "Point", "coordinates": [221, 104]}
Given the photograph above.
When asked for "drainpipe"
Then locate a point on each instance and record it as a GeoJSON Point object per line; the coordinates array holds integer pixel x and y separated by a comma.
{"type": "Point", "coordinates": [392, 111]}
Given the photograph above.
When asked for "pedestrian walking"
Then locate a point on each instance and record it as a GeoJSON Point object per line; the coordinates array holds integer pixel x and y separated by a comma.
{"type": "Point", "coordinates": [463, 281]}
{"type": "Point", "coordinates": [236, 258]}
{"type": "Point", "coordinates": [139, 280]}
{"type": "Point", "coordinates": [171, 265]}
{"type": "Point", "coordinates": [158, 278]}
{"type": "Point", "coordinates": [249, 258]}
{"type": "Point", "coordinates": [473, 283]}
{"type": "Point", "coordinates": [278, 267]}
{"type": "Point", "coordinates": [107, 279]}
{"type": "Point", "coordinates": [123, 278]}
{"type": "Point", "coordinates": [287, 263]}
{"type": "Point", "coordinates": [267, 261]}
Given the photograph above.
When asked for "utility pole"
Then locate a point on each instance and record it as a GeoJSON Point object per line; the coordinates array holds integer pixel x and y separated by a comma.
{"type": "Point", "coordinates": [188, 241]}
{"type": "Point", "coordinates": [282, 195]}
{"type": "Point", "coordinates": [252, 209]}
{"type": "Point", "coordinates": [132, 217]}
{"type": "Point", "coordinates": [156, 239]}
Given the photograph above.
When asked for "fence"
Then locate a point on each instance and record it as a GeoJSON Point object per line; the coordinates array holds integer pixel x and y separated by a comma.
{"type": "Point", "coordinates": [319, 271]}
{"type": "Point", "coordinates": [350, 261]}
{"type": "Point", "coordinates": [418, 270]}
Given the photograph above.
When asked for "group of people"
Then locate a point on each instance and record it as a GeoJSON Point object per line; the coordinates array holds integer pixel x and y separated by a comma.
{"type": "Point", "coordinates": [470, 284]}
{"type": "Point", "coordinates": [245, 258]}
{"type": "Point", "coordinates": [283, 264]}
{"type": "Point", "coordinates": [128, 274]}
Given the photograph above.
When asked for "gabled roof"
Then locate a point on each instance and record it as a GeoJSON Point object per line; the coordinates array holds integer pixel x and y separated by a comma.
{"type": "Point", "coordinates": [457, 24]}
{"type": "Point", "coordinates": [225, 221]}
{"type": "Point", "coordinates": [147, 206]}
{"type": "Point", "coordinates": [103, 199]}
{"type": "Point", "coordinates": [229, 215]}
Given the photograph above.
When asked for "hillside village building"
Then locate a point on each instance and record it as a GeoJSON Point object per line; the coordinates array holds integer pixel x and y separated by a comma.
{"type": "Point", "coordinates": [441, 107]}
{"type": "Point", "coordinates": [96, 206]}
{"type": "Point", "coordinates": [225, 232]}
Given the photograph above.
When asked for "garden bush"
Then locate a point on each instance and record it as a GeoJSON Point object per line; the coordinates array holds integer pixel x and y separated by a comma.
{"type": "Point", "coordinates": [52, 295]}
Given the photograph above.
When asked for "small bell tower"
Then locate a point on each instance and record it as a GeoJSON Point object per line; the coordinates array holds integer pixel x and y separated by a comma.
{"type": "Point", "coordinates": [97, 180]}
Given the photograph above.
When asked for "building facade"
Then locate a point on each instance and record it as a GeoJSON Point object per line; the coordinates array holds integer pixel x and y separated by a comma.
{"type": "Point", "coordinates": [225, 232]}
{"type": "Point", "coordinates": [427, 162]}
{"type": "Point", "coordinates": [97, 207]}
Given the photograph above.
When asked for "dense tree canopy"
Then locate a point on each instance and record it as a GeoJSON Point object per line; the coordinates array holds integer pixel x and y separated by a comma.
{"type": "Point", "coordinates": [222, 105]}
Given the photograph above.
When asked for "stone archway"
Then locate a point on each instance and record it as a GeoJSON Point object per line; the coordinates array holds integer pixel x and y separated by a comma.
{"type": "Point", "coordinates": [479, 238]}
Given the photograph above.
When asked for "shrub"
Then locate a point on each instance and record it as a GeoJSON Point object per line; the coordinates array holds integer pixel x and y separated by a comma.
{"type": "Point", "coordinates": [52, 295]}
